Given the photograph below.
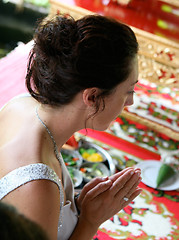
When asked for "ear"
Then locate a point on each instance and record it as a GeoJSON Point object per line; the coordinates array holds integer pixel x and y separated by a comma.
{"type": "Point", "coordinates": [90, 96]}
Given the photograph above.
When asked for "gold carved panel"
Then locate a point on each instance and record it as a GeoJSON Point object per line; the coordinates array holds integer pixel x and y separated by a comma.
{"type": "Point", "coordinates": [158, 72]}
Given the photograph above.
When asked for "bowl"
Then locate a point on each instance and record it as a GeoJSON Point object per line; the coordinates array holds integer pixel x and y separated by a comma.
{"type": "Point", "coordinates": [76, 176]}
{"type": "Point", "coordinates": [91, 170]}
{"type": "Point", "coordinates": [89, 149]}
{"type": "Point", "coordinates": [106, 158]}
{"type": "Point", "coordinates": [72, 158]}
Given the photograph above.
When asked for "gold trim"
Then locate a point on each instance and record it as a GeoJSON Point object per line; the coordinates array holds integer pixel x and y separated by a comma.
{"type": "Point", "coordinates": [157, 39]}
{"type": "Point", "coordinates": [172, 2]}
{"type": "Point", "coordinates": [74, 11]}
{"type": "Point", "coordinates": [159, 51]}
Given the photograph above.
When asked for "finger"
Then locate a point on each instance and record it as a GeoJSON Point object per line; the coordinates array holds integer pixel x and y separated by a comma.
{"type": "Point", "coordinates": [91, 185]}
{"type": "Point", "coordinates": [134, 182]}
{"type": "Point", "coordinates": [121, 182]}
{"type": "Point", "coordinates": [98, 189]}
{"type": "Point", "coordinates": [137, 170]}
{"type": "Point", "coordinates": [114, 177]}
{"type": "Point", "coordinates": [132, 197]}
{"type": "Point", "coordinates": [130, 185]}
{"type": "Point", "coordinates": [117, 175]}
{"type": "Point", "coordinates": [133, 188]}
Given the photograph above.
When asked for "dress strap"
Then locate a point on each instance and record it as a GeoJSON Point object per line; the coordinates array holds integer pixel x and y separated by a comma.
{"type": "Point", "coordinates": [28, 173]}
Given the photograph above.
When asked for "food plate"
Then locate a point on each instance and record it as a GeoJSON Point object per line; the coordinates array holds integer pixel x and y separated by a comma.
{"type": "Point", "coordinates": [90, 170]}
{"type": "Point", "coordinates": [71, 158]}
{"type": "Point", "coordinates": [106, 157]}
{"type": "Point", "coordinates": [149, 173]}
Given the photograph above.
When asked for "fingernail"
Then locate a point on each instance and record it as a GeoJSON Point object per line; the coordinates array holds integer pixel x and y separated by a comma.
{"type": "Point", "coordinates": [137, 169]}
{"type": "Point", "coordinates": [107, 182]}
{"type": "Point", "coordinates": [104, 178]}
{"type": "Point", "coordinates": [132, 172]}
{"type": "Point", "coordinates": [140, 189]}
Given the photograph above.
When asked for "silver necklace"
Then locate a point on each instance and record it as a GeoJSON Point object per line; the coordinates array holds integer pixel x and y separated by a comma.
{"type": "Point", "coordinates": [57, 155]}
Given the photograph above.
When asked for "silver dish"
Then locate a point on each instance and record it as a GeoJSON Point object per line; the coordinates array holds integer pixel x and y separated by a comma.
{"type": "Point", "coordinates": [75, 154]}
{"type": "Point", "coordinates": [106, 156]}
{"type": "Point", "coordinates": [94, 170]}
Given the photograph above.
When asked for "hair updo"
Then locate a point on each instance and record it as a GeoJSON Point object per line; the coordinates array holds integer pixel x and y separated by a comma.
{"type": "Point", "coordinates": [71, 55]}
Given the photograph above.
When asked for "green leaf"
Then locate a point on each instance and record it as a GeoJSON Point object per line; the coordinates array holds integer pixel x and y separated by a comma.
{"type": "Point", "coordinates": [165, 172]}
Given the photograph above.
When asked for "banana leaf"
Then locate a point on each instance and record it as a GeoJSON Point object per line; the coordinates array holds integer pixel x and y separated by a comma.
{"type": "Point", "coordinates": [165, 172]}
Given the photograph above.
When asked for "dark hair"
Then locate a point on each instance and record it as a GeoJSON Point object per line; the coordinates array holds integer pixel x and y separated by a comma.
{"type": "Point", "coordinates": [71, 55]}
{"type": "Point", "coordinates": [15, 226]}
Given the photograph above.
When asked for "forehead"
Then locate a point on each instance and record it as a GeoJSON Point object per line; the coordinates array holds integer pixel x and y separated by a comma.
{"type": "Point", "coordinates": [133, 76]}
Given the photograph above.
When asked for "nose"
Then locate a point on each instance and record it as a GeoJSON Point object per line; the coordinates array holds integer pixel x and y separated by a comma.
{"type": "Point", "coordinates": [129, 101]}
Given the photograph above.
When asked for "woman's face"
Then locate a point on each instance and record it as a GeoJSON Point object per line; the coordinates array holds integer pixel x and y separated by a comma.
{"type": "Point", "coordinates": [116, 101]}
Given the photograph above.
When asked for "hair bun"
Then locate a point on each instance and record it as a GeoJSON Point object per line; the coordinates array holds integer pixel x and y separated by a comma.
{"type": "Point", "coordinates": [56, 36]}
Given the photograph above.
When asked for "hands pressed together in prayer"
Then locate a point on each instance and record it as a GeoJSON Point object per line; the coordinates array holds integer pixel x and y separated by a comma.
{"type": "Point", "coordinates": [101, 198]}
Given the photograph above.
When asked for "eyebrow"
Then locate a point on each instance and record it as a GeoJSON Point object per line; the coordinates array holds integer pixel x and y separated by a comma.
{"type": "Point", "coordinates": [134, 83]}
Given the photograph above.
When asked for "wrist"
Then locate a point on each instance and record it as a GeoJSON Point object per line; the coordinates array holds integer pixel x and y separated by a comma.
{"type": "Point", "coordinates": [83, 230]}
{"type": "Point", "coordinates": [88, 227]}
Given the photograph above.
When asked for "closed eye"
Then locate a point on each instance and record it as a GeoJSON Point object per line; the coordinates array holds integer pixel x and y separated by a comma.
{"type": "Point", "coordinates": [131, 92]}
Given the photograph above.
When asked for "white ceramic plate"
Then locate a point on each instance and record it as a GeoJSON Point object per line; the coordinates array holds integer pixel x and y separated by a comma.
{"type": "Point", "coordinates": [149, 173]}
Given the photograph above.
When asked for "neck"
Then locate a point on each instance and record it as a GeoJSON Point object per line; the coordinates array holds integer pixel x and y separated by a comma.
{"type": "Point", "coordinates": [61, 122]}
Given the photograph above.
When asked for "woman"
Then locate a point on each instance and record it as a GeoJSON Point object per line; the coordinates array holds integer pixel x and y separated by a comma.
{"type": "Point", "coordinates": [81, 74]}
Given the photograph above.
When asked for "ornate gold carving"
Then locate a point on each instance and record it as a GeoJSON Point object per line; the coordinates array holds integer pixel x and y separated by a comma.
{"type": "Point", "coordinates": [158, 73]}
{"type": "Point", "coordinates": [166, 54]}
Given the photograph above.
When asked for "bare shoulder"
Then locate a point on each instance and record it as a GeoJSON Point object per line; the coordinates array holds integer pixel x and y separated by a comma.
{"type": "Point", "coordinates": [39, 200]}
{"type": "Point", "coordinates": [13, 115]}
{"type": "Point", "coordinates": [17, 140]}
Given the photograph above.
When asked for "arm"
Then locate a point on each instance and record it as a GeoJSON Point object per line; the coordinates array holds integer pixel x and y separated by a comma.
{"type": "Point", "coordinates": [101, 199]}
{"type": "Point", "coordinates": [36, 200]}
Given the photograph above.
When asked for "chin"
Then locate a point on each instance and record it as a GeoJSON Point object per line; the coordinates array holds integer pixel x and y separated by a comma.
{"type": "Point", "coordinates": [101, 128]}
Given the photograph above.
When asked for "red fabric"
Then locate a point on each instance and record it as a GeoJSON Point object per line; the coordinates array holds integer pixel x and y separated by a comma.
{"type": "Point", "coordinates": [121, 144]}
{"type": "Point", "coordinates": [169, 198]}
